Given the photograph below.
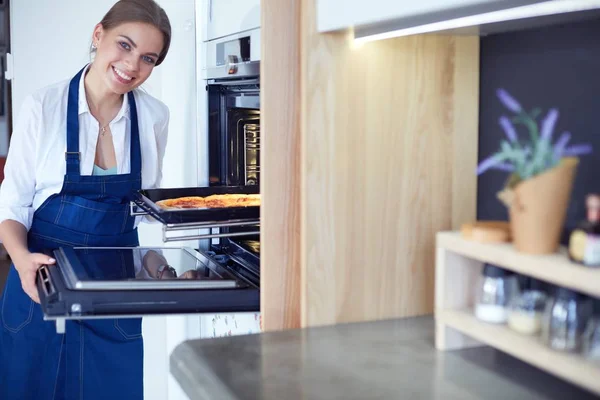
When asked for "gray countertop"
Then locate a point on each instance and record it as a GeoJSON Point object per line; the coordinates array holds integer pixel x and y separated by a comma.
{"type": "Point", "coordinates": [392, 359]}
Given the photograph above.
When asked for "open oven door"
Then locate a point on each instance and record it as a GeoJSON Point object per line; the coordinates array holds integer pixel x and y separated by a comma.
{"type": "Point", "coordinates": [88, 282]}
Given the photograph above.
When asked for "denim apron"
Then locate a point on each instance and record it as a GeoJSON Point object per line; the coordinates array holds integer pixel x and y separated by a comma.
{"type": "Point", "coordinates": [94, 359]}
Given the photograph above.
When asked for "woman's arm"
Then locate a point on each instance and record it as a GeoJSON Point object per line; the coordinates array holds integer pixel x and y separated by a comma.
{"type": "Point", "coordinates": [161, 134]}
{"type": "Point", "coordinates": [14, 237]}
{"type": "Point", "coordinates": [17, 192]}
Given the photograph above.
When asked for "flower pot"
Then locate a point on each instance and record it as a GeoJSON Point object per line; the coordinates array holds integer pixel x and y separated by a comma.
{"type": "Point", "coordinates": [538, 207]}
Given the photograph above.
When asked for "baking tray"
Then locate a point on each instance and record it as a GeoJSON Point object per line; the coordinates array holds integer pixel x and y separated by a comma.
{"type": "Point", "coordinates": [146, 200]}
{"type": "Point", "coordinates": [241, 255]}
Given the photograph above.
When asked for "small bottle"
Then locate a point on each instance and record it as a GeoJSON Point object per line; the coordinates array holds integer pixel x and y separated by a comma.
{"type": "Point", "coordinates": [584, 242]}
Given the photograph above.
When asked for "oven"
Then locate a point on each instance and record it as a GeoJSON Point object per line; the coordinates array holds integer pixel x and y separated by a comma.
{"type": "Point", "coordinates": [233, 90]}
{"type": "Point", "coordinates": [233, 87]}
{"type": "Point", "coordinates": [220, 269]}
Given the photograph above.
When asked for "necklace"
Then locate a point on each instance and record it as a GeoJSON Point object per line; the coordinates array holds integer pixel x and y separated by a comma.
{"type": "Point", "coordinates": [103, 130]}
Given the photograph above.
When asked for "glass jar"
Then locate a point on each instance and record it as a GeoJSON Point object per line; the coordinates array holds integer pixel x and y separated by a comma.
{"type": "Point", "coordinates": [565, 319]}
{"type": "Point", "coordinates": [527, 309]}
{"type": "Point", "coordinates": [495, 290]}
{"type": "Point", "coordinates": [591, 336]}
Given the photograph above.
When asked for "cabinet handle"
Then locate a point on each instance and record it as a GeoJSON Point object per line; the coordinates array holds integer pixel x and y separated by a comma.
{"type": "Point", "coordinates": [210, 10]}
{"type": "Point", "coordinates": [9, 73]}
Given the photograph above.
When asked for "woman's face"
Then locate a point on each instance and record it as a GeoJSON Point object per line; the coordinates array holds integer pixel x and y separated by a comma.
{"type": "Point", "coordinates": [126, 54]}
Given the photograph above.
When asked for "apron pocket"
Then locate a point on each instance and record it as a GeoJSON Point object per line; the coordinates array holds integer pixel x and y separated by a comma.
{"type": "Point", "coordinates": [94, 216]}
{"type": "Point", "coordinates": [129, 328]}
{"type": "Point", "coordinates": [17, 307]}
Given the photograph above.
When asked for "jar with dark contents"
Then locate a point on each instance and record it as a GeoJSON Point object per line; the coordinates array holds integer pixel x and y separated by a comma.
{"type": "Point", "coordinates": [565, 320]}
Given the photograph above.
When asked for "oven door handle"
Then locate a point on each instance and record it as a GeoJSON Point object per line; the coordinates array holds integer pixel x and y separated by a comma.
{"type": "Point", "coordinates": [234, 69]}
{"type": "Point", "coordinates": [232, 65]}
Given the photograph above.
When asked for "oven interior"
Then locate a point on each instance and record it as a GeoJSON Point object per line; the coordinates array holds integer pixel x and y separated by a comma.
{"type": "Point", "coordinates": [234, 160]}
{"type": "Point", "coordinates": [234, 132]}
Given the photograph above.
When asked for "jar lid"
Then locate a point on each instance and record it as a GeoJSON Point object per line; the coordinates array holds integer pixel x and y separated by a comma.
{"type": "Point", "coordinates": [493, 271]}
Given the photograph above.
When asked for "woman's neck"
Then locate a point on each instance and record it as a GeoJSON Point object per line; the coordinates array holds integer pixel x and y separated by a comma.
{"type": "Point", "coordinates": [103, 103]}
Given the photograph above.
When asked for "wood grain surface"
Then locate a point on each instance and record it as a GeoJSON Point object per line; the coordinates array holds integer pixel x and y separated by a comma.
{"type": "Point", "coordinates": [375, 149]}
{"type": "Point", "coordinates": [280, 164]}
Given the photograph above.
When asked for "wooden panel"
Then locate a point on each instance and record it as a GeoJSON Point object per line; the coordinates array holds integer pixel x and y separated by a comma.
{"type": "Point", "coordinates": [465, 116]}
{"type": "Point", "coordinates": [455, 278]}
{"type": "Point", "coordinates": [280, 162]}
{"type": "Point", "coordinates": [381, 137]}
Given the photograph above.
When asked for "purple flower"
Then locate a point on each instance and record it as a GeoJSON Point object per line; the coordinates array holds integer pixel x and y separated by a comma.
{"type": "Point", "coordinates": [548, 124]}
{"type": "Point", "coordinates": [577, 150]}
{"type": "Point", "coordinates": [509, 129]}
{"type": "Point", "coordinates": [559, 147]}
{"type": "Point", "coordinates": [508, 101]}
{"type": "Point", "coordinates": [504, 167]}
{"type": "Point", "coordinates": [487, 164]}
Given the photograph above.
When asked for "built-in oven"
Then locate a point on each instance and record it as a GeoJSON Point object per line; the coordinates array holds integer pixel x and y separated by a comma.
{"type": "Point", "coordinates": [220, 270]}
{"type": "Point", "coordinates": [233, 87]}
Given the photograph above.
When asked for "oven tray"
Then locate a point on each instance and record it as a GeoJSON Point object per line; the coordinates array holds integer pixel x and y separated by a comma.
{"type": "Point", "coordinates": [146, 200]}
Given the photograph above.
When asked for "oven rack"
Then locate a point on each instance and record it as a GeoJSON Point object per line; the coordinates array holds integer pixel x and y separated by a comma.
{"type": "Point", "coordinates": [138, 208]}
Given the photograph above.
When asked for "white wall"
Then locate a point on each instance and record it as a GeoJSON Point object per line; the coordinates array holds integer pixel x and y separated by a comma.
{"type": "Point", "coordinates": [50, 40]}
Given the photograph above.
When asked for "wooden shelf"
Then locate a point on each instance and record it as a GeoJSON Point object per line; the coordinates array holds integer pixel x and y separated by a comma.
{"type": "Point", "coordinates": [571, 367]}
{"type": "Point", "coordinates": [458, 268]}
{"type": "Point", "coordinates": [555, 268]}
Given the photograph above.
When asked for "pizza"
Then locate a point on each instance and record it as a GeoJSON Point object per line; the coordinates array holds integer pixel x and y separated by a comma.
{"type": "Point", "coordinates": [212, 201]}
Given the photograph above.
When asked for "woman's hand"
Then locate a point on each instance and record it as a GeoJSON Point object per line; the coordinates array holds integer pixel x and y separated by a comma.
{"type": "Point", "coordinates": [14, 237]}
{"type": "Point", "coordinates": [152, 261]}
{"type": "Point", "coordinates": [191, 274]}
{"type": "Point", "coordinates": [27, 265]}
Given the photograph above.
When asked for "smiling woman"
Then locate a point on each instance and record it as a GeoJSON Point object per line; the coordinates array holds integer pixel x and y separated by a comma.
{"type": "Point", "coordinates": [126, 54]}
{"type": "Point", "coordinates": [80, 197]}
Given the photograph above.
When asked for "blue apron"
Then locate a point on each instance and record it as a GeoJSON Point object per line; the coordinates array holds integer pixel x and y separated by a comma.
{"type": "Point", "coordinates": [94, 359]}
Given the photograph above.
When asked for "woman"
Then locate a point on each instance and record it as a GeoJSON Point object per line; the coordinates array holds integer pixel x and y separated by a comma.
{"type": "Point", "coordinates": [75, 159]}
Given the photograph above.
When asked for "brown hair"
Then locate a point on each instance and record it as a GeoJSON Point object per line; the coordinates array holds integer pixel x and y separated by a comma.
{"type": "Point", "coordinates": [146, 11]}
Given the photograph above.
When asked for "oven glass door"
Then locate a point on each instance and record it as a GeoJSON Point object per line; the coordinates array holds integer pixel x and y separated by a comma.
{"type": "Point", "coordinates": [234, 132]}
{"type": "Point", "coordinates": [119, 282]}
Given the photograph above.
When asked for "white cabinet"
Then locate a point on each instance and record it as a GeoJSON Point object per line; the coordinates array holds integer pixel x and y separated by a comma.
{"type": "Point", "coordinates": [381, 17]}
{"type": "Point", "coordinates": [341, 14]}
{"type": "Point", "coordinates": [226, 17]}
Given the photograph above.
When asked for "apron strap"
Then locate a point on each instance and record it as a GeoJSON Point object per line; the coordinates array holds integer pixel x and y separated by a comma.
{"type": "Point", "coordinates": [135, 152]}
{"type": "Point", "coordinates": [72, 155]}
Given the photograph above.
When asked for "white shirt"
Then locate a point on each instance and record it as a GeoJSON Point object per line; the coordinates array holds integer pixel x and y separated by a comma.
{"type": "Point", "coordinates": [36, 165]}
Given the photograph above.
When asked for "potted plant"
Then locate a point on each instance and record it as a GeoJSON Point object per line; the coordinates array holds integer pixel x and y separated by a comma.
{"type": "Point", "coordinates": [541, 176]}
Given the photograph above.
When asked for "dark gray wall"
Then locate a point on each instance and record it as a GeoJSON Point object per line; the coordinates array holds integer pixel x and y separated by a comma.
{"type": "Point", "coordinates": [553, 67]}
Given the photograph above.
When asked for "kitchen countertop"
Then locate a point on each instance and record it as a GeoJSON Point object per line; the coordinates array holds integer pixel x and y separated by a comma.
{"type": "Point", "coordinates": [392, 359]}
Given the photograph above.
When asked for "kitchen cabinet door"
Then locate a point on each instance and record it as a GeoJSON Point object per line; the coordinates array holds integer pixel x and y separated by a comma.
{"type": "Point", "coordinates": [227, 17]}
{"type": "Point", "coordinates": [341, 14]}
